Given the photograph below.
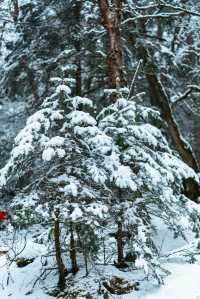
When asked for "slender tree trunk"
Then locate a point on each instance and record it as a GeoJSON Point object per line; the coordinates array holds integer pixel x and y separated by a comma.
{"type": "Point", "coordinates": [163, 102]}
{"type": "Point", "coordinates": [82, 245]}
{"type": "Point", "coordinates": [78, 47]}
{"type": "Point", "coordinates": [78, 90]}
{"type": "Point", "coordinates": [120, 249]}
{"type": "Point", "coordinates": [73, 251]}
{"type": "Point", "coordinates": [120, 235]}
{"type": "Point", "coordinates": [111, 18]}
{"type": "Point", "coordinates": [15, 12]}
{"type": "Point", "coordinates": [60, 264]}
{"type": "Point", "coordinates": [85, 255]}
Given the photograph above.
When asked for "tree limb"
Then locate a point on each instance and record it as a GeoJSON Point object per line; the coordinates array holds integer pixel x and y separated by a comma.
{"type": "Point", "coordinates": [179, 11]}
{"type": "Point", "coordinates": [162, 4]}
{"type": "Point", "coordinates": [192, 88]}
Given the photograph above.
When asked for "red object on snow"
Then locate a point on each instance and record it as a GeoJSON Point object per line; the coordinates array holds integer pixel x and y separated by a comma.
{"type": "Point", "coordinates": [3, 216]}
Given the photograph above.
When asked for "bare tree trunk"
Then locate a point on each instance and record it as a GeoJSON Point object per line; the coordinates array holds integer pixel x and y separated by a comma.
{"type": "Point", "coordinates": [78, 75]}
{"type": "Point", "coordinates": [83, 246]}
{"type": "Point", "coordinates": [120, 249]}
{"type": "Point", "coordinates": [60, 264]}
{"type": "Point", "coordinates": [111, 18]}
{"type": "Point", "coordinates": [120, 235]}
{"type": "Point", "coordinates": [73, 251]}
{"type": "Point", "coordinates": [163, 102]}
{"type": "Point", "coordinates": [85, 256]}
{"type": "Point", "coordinates": [15, 12]}
{"type": "Point", "coordinates": [78, 47]}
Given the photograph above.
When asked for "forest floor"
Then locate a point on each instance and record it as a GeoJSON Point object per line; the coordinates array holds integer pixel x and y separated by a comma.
{"type": "Point", "coordinates": [182, 283]}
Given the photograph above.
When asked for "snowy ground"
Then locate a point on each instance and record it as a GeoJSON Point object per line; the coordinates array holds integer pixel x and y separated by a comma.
{"type": "Point", "coordinates": [183, 283]}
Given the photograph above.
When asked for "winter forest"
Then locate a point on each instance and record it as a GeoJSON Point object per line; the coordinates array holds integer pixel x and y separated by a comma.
{"type": "Point", "coordinates": [100, 149]}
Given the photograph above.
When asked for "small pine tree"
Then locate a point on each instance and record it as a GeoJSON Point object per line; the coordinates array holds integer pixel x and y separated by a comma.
{"type": "Point", "coordinates": [146, 179]}
{"type": "Point", "coordinates": [53, 146]}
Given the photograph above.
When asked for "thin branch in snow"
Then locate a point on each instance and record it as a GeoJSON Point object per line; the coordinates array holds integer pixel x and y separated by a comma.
{"type": "Point", "coordinates": [192, 88]}
{"type": "Point", "coordinates": [134, 78]}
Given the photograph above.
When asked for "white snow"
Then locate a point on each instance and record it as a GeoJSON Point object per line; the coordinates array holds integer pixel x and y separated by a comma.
{"type": "Point", "coordinates": [183, 283]}
{"type": "Point", "coordinates": [124, 178]}
{"type": "Point", "coordinates": [71, 189]}
{"type": "Point", "coordinates": [63, 88]}
{"type": "Point", "coordinates": [98, 175]}
{"type": "Point", "coordinates": [80, 117]}
{"type": "Point", "coordinates": [18, 281]}
{"type": "Point", "coordinates": [77, 213]}
{"type": "Point", "coordinates": [55, 141]}
{"type": "Point", "coordinates": [48, 154]}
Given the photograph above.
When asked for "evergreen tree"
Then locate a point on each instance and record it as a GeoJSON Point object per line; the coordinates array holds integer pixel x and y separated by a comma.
{"type": "Point", "coordinates": [121, 166]}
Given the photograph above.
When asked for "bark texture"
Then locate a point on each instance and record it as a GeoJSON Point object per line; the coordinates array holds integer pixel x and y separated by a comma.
{"type": "Point", "coordinates": [111, 19]}
{"type": "Point", "coordinates": [120, 250]}
{"type": "Point", "coordinates": [59, 261]}
{"type": "Point", "coordinates": [78, 47]}
{"type": "Point", "coordinates": [73, 251]}
{"type": "Point", "coordinates": [15, 11]}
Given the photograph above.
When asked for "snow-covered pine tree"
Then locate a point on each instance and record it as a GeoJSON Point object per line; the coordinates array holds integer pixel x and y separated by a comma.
{"type": "Point", "coordinates": [146, 181]}
{"type": "Point", "coordinates": [52, 147]}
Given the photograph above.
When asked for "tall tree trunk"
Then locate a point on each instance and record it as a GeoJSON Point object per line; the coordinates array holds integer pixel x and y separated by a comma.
{"type": "Point", "coordinates": [73, 251]}
{"type": "Point", "coordinates": [78, 47]}
{"type": "Point", "coordinates": [163, 102]}
{"type": "Point", "coordinates": [85, 251]}
{"type": "Point", "coordinates": [111, 18]}
{"type": "Point", "coordinates": [15, 12]}
{"type": "Point", "coordinates": [60, 264]}
{"type": "Point", "coordinates": [120, 249]}
{"type": "Point", "coordinates": [78, 88]}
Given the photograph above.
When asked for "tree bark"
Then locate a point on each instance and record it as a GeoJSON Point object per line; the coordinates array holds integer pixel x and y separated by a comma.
{"type": "Point", "coordinates": [78, 88]}
{"type": "Point", "coordinates": [73, 251]}
{"type": "Point", "coordinates": [60, 264]}
{"type": "Point", "coordinates": [15, 12]}
{"type": "Point", "coordinates": [78, 47]}
{"type": "Point", "coordinates": [120, 251]}
{"type": "Point", "coordinates": [120, 247]}
{"type": "Point", "coordinates": [111, 19]}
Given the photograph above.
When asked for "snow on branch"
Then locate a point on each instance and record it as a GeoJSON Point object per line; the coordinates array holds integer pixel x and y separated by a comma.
{"type": "Point", "coordinates": [162, 4]}
{"type": "Point", "coordinates": [178, 11]}
{"type": "Point", "coordinates": [191, 89]}
{"type": "Point", "coordinates": [153, 16]}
